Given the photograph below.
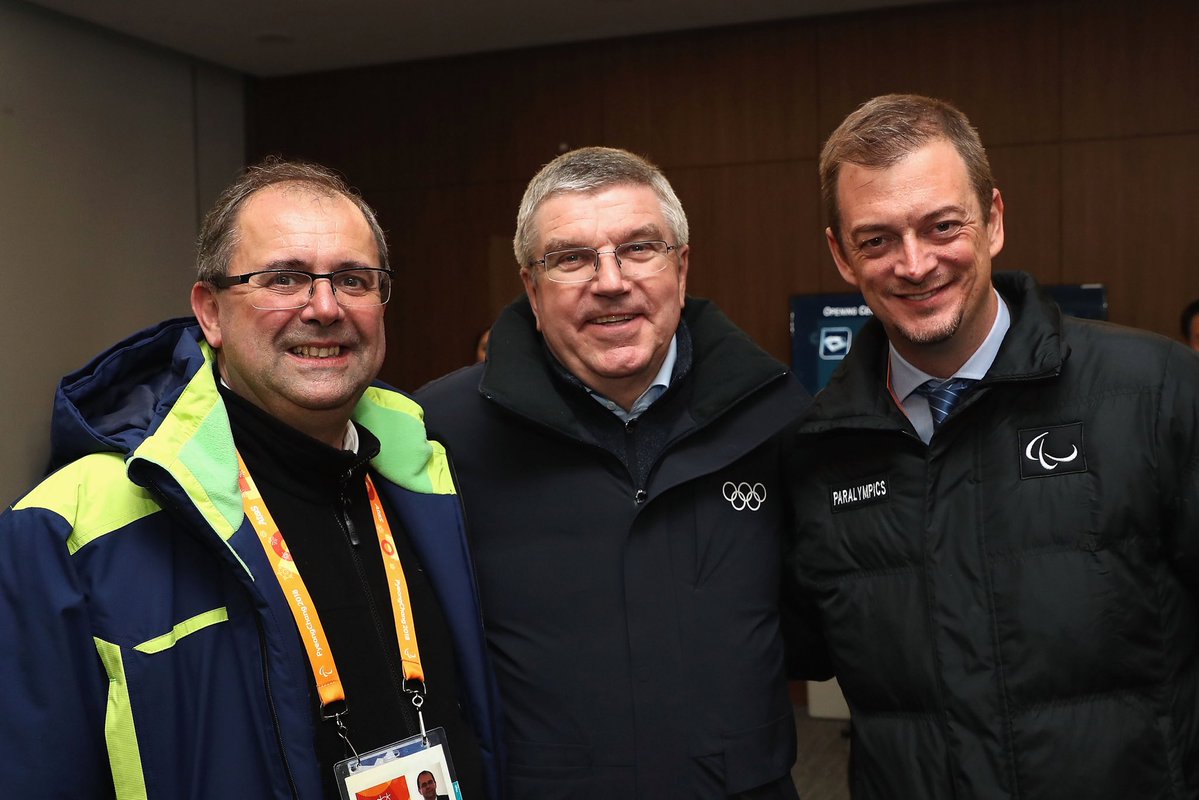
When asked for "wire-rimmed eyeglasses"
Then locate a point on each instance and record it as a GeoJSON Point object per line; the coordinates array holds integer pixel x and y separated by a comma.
{"type": "Point", "coordinates": [581, 264]}
{"type": "Point", "coordinates": [281, 289]}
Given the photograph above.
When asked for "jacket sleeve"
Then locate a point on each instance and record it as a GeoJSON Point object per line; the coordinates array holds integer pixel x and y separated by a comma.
{"type": "Point", "coordinates": [54, 685]}
{"type": "Point", "coordinates": [807, 656]}
{"type": "Point", "coordinates": [1178, 426]}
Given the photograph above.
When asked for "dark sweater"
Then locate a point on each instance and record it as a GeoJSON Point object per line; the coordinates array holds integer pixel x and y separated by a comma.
{"type": "Point", "coordinates": [317, 495]}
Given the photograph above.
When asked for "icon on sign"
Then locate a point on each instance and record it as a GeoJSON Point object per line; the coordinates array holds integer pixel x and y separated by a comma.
{"type": "Point", "coordinates": [834, 343]}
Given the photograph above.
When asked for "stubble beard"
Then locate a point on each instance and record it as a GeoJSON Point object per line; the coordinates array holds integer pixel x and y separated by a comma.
{"type": "Point", "coordinates": [935, 333]}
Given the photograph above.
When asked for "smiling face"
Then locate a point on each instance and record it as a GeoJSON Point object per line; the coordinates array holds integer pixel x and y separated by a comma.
{"type": "Point", "coordinates": [612, 333]}
{"type": "Point", "coordinates": [915, 244]}
{"type": "Point", "coordinates": [308, 366]}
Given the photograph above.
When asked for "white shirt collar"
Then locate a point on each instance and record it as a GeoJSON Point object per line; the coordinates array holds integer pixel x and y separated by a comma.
{"type": "Point", "coordinates": [905, 377]}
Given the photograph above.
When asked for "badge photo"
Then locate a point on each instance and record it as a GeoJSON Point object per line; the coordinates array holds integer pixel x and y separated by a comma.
{"type": "Point", "coordinates": [396, 772]}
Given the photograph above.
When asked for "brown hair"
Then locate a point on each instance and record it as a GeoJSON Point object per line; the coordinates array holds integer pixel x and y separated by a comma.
{"type": "Point", "coordinates": [219, 233]}
{"type": "Point", "coordinates": [885, 130]}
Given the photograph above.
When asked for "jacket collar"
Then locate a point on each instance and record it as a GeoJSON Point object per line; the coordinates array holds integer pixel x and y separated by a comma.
{"type": "Point", "coordinates": [153, 398]}
{"type": "Point", "coordinates": [1033, 348]}
{"type": "Point", "coordinates": [725, 367]}
{"type": "Point", "coordinates": [301, 465]}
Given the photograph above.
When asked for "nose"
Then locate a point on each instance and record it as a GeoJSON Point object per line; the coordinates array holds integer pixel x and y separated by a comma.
{"type": "Point", "coordinates": [608, 277]}
{"type": "Point", "coordinates": [322, 303]}
{"type": "Point", "coordinates": [916, 261]}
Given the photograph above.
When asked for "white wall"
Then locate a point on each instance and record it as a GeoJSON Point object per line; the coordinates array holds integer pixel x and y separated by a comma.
{"type": "Point", "coordinates": [110, 152]}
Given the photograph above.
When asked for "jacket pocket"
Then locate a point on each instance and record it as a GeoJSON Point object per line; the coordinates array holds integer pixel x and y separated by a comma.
{"type": "Point", "coordinates": [759, 755]}
{"type": "Point", "coordinates": [549, 771]}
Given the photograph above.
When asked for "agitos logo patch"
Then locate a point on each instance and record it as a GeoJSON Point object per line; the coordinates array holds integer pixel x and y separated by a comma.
{"type": "Point", "coordinates": [1057, 450]}
{"type": "Point", "coordinates": [855, 494]}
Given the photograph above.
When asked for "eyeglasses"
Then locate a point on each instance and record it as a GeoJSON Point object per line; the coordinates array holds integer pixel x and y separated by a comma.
{"type": "Point", "coordinates": [281, 289]}
{"type": "Point", "coordinates": [580, 264]}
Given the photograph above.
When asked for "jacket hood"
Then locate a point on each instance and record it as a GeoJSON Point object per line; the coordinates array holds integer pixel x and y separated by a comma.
{"type": "Point", "coordinates": [120, 397]}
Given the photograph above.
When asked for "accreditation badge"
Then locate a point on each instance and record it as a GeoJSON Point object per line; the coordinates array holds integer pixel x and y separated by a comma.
{"type": "Point", "coordinates": [398, 771]}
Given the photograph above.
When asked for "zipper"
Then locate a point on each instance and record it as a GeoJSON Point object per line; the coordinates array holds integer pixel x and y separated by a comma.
{"type": "Point", "coordinates": [270, 702]}
{"type": "Point", "coordinates": [384, 635]}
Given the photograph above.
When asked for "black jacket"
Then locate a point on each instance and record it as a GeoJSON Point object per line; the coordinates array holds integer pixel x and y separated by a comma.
{"type": "Point", "coordinates": [1010, 616]}
{"type": "Point", "coordinates": [634, 623]}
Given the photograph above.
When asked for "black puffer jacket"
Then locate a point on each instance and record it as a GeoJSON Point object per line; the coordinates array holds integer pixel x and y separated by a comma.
{"type": "Point", "coordinates": [634, 623]}
{"type": "Point", "coordinates": [1011, 609]}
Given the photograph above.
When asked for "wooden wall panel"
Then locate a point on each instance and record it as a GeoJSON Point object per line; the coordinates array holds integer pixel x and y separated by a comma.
{"type": "Point", "coordinates": [754, 242]}
{"type": "Point", "coordinates": [1029, 178]}
{"type": "Point", "coordinates": [497, 117]}
{"type": "Point", "coordinates": [995, 61]}
{"type": "Point", "coordinates": [713, 97]}
{"type": "Point", "coordinates": [517, 111]}
{"type": "Point", "coordinates": [334, 119]}
{"type": "Point", "coordinates": [443, 253]}
{"type": "Point", "coordinates": [1130, 223]}
{"type": "Point", "coordinates": [1087, 108]}
{"type": "Point", "coordinates": [1129, 68]}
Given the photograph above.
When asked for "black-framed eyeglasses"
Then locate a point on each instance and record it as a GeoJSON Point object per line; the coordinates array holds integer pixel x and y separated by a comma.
{"type": "Point", "coordinates": [581, 264]}
{"type": "Point", "coordinates": [281, 289]}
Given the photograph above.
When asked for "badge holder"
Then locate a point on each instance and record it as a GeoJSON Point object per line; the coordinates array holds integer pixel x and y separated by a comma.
{"type": "Point", "coordinates": [393, 772]}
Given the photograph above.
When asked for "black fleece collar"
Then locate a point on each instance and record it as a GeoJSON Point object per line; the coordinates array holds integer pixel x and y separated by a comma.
{"type": "Point", "coordinates": [296, 462]}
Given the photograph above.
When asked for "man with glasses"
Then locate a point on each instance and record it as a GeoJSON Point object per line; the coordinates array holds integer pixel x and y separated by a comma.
{"type": "Point", "coordinates": [619, 459]}
{"type": "Point", "coordinates": [250, 563]}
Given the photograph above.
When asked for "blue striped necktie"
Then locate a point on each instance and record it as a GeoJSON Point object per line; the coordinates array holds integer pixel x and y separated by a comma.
{"type": "Point", "coordinates": [944, 395]}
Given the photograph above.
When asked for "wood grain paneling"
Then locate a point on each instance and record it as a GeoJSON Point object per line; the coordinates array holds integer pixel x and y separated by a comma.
{"type": "Point", "coordinates": [755, 241]}
{"type": "Point", "coordinates": [333, 119]}
{"type": "Point", "coordinates": [995, 61]}
{"type": "Point", "coordinates": [1129, 222]}
{"type": "Point", "coordinates": [1087, 108]}
{"type": "Point", "coordinates": [714, 97]}
{"type": "Point", "coordinates": [442, 245]}
{"type": "Point", "coordinates": [517, 111]}
{"type": "Point", "coordinates": [1129, 68]}
{"type": "Point", "coordinates": [1029, 178]}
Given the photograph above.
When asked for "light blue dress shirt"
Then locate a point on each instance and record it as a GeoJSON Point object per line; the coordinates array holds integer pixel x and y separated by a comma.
{"type": "Point", "coordinates": [905, 377]}
{"type": "Point", "coordinates": [647, 398]}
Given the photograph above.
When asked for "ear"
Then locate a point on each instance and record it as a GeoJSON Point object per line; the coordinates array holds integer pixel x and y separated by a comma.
{"type": "Point", "coordinates": [204, 306]}
{"type": "Point", "coordinates": [683, 255]}
{"type": "Point", "coordinates": [843, 265]}
{"type": "Point", "coordinates": [530, 281]}
{"type": "Point", "coordinates": [995, 223]}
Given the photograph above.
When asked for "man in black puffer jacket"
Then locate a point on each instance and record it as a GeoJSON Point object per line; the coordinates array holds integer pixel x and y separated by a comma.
{"type": "Point", "coordinates": [1007, 578]}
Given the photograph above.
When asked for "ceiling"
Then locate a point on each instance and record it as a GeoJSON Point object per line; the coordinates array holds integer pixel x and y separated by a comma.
{"type": "Point", "coordinates": [284, 37]}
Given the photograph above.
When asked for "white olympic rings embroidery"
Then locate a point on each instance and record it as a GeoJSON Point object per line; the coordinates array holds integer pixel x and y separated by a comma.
{"type": "Point", "coordinates": [742, 495]}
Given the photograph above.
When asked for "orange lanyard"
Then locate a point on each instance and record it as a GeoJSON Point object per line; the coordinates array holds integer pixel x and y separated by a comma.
{"type": "Point", "coordinates": [324, 669]}
{"type": "Point", "coordinates": [891, 390]}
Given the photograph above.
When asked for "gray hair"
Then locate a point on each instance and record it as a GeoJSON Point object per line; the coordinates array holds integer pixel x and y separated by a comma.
{"type": "Point", "coordinates": [589, 170]}
{"type": "Point", "coordinates": [219, 234]}
{"type": "Point", "coordinates": [888, 128]}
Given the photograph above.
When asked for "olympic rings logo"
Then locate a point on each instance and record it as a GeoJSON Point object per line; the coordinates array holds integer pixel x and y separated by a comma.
{"type": "Point", "coordinates": [742, 495]}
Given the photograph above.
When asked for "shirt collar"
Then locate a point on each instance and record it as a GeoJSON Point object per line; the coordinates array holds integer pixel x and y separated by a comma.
{"type": "Point", "coordinates": [905, 377]}
{"type": "Point", "coordinates": [659, 385]}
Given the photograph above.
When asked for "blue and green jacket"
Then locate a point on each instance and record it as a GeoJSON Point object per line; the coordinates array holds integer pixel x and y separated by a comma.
{"type": "Point", "coordinates": [148, 650]}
